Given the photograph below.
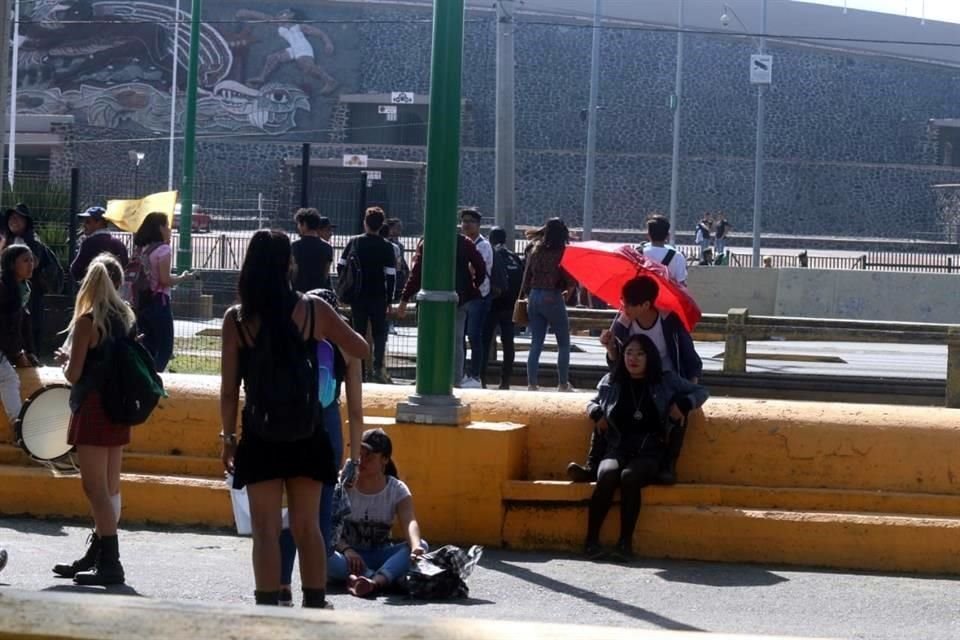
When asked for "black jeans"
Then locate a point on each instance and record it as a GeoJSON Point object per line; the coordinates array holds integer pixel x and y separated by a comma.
{"type": "Point", "coordinates": [598, 446]}
{"type": "Point", "coordinates": [631, 478]}
{"type": "Point", "coordinates": [501, 319]}
{"type": "Point", "coordinates": [155, 320]}
{"type": "Point", "coordinates": [372, 312]}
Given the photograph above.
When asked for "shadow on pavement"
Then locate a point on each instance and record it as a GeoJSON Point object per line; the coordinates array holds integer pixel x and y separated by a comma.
{"type": "Point", "coordinates": [721, 576]}
{"type": "Point", "coordinates": [26, 524]}
{"type": "Point", "coordinates": [114, 590]}
{"type": "Point", "coordinates": [638, 613]}
{"type": "Point", "coordinates": [401, 600]}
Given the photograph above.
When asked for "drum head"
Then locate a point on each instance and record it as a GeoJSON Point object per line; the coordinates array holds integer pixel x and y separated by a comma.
{"type": "Point", "coordinates": [44, 423]}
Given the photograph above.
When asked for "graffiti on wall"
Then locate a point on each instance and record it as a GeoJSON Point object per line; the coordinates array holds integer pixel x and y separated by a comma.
{"type": "Point", "coordinates": [110, 64]}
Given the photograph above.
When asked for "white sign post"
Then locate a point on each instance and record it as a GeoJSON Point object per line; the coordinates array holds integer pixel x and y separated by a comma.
{"type": "Point", "coordinates": [761, 69]}
{"type": "Point", "coordinates": [355, 161]}
{"type": "Point", "coordinates": [402, 97]}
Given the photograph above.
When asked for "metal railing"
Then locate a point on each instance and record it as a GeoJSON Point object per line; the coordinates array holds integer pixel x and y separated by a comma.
{"type": "Point", "coordinates": [738, 327]}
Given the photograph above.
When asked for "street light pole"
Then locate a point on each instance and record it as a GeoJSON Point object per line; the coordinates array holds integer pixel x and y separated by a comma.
{"type": "Point", "coordinates": [592, 123]}
{"type": "Point", "coordinates": [434, 402]}
{"type": "Point", "coordinates": [676, 104]}
{"type": "Point", "coordinates": [5, 42]}
{"type": "Point", "coordinates": [505, 176]}
{"type": "Point", "coordinates": [185, 251]}
{"type": "Point", "coordinates": [761, 134]}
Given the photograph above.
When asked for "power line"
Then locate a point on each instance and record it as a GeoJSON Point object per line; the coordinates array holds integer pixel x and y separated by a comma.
{"type": "Point", "coordinates": [520, 23]}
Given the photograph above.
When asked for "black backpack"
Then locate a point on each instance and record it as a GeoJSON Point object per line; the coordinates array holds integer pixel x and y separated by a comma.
{"type": "Point", "coordinates": [511, 267]}
{"type": "Point", "coordinates": [280, 383]}
{"type": "Point", "coordinates": [350, 278]}
{"type": "Point", "coordinates": [134, 385]}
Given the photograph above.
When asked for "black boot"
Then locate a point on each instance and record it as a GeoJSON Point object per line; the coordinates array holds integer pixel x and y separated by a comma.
{"type": "Point", "coordinates": [668, 472]}
{"type": "Point", "coordinates": [315, 599]}
{"type": "Point", "coordinates": [267, 597]}
{"type": "Point", "coordinates": [668, 468]}
{"type": "Point", "coordinates": [107, 570]}
{"type": "Point", "coordinates": [87, 562]}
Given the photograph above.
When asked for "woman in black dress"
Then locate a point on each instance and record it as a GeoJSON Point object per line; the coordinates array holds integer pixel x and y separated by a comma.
{"type": "Point", "coordinates": [637, 405]}
{"type": "Point", "coordinates": [270, 310]}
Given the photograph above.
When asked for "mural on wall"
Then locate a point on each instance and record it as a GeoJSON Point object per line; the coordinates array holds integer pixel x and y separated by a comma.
{"type": "Point", "coordinates": [110, 64]}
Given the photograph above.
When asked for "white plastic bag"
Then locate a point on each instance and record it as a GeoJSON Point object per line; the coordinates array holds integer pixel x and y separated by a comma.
{"type": "Point", "coordinates": [241, 510]}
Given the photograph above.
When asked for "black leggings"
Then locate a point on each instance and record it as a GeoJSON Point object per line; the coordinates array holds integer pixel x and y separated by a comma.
{"type": "Point", "coordinates": [638, 473]}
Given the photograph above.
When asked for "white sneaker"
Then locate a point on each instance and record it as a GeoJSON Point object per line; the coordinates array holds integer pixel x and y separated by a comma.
{"type": "Point", "coordinates": [533, 387]}
{"type": "Point", "coordinates": [566, 388]}
{"type": "Point", "coordinates": [470, 383]}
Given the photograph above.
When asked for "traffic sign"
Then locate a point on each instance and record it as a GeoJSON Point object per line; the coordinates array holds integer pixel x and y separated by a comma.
{"type": "Point", "coordinates": [761, 69]}
{"type": "Point", "coordinates": [355, 160]}
{"type": "Point", "coordinates": [402, 97]}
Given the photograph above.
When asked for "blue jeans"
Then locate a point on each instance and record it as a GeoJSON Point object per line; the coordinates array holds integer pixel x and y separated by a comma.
{"type": "Point", "coordinates": [546, 307]}
{"type": "Point", "coordinates": [477, 312]}
{"type": "Point", "coordinates": [288, 548]}
{"type": "Point", "coordinates": [391, 561]}
{"type": "Point", "coordinates": [155, 320]}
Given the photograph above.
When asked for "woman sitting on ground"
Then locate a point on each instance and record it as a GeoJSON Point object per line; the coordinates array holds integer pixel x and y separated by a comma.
{"type": "Point", "coordinates": [365, 558]}
{"type": "Point", "coordinates": [637, 405]}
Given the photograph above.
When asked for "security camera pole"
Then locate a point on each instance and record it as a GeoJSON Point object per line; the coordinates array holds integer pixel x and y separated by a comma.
{"type": "Point", "coordinates": [761, 133]}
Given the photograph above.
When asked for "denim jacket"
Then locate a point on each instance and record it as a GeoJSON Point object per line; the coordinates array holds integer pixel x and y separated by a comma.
{"type": "Point", "coordinates": [671, 389]}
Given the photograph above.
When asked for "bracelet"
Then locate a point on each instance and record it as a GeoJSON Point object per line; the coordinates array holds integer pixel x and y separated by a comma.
{"type": "Point", "coordinates": [229, 438]}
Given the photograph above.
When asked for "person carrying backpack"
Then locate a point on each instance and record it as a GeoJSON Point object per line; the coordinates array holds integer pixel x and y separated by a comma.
{"type": "Point", "coordinates": [505, 282]}
{"type": "Point", "coordinates": [701, 234]}
{"type": "Point", "coordinates": [658, 231]}
{"type": "Point", "coordinates": [367, 273]}
{"type": "Point", "coordinates": [100, 319]}
{"type": "Point", "coordinates": [270, 345]}
{"type": "Point", "coordinates": [152, 286]}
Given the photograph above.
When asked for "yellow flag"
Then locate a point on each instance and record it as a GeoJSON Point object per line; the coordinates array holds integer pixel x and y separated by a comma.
{"type": "Point", "coordinates": [128, 215]}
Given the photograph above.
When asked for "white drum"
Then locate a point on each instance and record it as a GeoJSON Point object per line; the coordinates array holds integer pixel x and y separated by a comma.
{"type": "Point", "coordinates": [41, 429]}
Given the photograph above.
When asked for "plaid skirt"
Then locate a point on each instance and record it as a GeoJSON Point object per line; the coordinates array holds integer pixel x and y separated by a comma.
{"type": "Point", "coordinates": [92, 426]}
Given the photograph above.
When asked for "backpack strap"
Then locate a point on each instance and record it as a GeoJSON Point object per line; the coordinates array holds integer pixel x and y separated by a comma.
{"type": "Point", "coordinates": [309, 320]}
{"type": "Point", "coordinates": [245, 339]}
{"type": "Point", "coordinates": [667, 259]}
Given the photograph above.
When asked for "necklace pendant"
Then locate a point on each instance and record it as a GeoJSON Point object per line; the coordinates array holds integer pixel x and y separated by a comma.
{"type": "Point", "coordinates": [638, 415]}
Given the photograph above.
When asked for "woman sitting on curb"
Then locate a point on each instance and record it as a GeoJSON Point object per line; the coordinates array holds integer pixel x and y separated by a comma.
{"type": "Point", "coordinates": [365, 559]}
{"type": "Point", "coordinates": [637, 406]}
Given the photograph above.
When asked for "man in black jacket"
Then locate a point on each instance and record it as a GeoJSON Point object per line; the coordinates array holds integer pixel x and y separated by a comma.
{"type": "Point", "coordinates": [97, 239]}
{"type": "Point", "coordinates": [677, 353]}
{"type": "Point", "coordinates": [378, 265]}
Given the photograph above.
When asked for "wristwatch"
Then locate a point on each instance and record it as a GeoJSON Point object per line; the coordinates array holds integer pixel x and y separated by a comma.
{"type": "Point", "coordinates": [229, 438]}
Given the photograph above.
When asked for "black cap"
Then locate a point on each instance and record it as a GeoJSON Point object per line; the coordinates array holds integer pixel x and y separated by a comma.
{"type": "Point", "coordinates": [377, 441]}
{"type": "Point", "coordinates": [21, 209]}
{"type": "Point", "coordinates": [470, 212]}
{"type": "Point", "coordinates": [96, 213]}
{"type": "Point", "coordinates": [325, 223]}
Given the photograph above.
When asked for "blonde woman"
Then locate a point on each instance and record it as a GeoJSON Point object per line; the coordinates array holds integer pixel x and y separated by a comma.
{"type": "Point", "coordinates": [100, 316]}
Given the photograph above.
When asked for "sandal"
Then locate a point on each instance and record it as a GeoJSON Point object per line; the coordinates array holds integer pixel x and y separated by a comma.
{"type": "Point", "coordinates": [362, 587]}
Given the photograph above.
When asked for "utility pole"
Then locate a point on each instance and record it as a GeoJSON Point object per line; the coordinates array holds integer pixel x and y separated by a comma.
{"type": "Point", "coordinates": [434, 402]}
{"type": "Point", "coordinates": [505, 179]}
{"type": "Point", "coordinates": [4, 62]}
{"type": "Point", "coordinates": [185, 251]}
{"type": "Point", "coordinates": [14, 63]}
{"type": "Point", "coordinates": [592, 123]}
{"type": "Point", "coordinates": [676, 102]}
{"type": "Point", "coordinates": [173, 95]}
{"type": "Point", "coordinates": [761, 134]}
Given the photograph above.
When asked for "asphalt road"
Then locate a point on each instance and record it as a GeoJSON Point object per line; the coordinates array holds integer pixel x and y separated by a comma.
{"type": "Point", "coordinates": [215, 567]}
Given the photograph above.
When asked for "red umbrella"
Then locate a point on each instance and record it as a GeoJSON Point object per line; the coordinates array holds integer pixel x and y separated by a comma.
{"type": "Point", "coordinates": [603, 268]}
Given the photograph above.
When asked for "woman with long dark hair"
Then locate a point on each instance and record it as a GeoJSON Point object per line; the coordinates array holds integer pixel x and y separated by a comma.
{"type": "Point", "coordinates": [16, 333]}
{"type": "Point", "coordinates": [272, 314]}
{"type": "Point", "coordinates": [637, 406]}
{"type": "Point", "coordinates": [366, 559]}
{"type": "Point", "coordinates": [154, 315]}
{"type": "Point", "coordinates": [547, 287]}
{"type": "Point", "coordinates": [99, 316]}
{"type": "Point", "coordinates": [347, 374]}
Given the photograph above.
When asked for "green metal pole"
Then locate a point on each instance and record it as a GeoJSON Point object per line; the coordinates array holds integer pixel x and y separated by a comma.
{"type": "Point", "coordinates": [438, 299]}
{"type": "Point", "coordinates": [185, 251]}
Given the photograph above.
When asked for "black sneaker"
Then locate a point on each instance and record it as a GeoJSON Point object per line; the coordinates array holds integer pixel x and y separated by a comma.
{"type": "Point", "coordinates": [579, 473]}
{"type": "Point", "coordinates": [622, 553]}
{"type": "Point", "coordinates": [593, 551]}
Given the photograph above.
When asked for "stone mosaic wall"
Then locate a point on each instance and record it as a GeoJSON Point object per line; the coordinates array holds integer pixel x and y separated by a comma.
{"type": "Point", "coordinates": [849, 147]}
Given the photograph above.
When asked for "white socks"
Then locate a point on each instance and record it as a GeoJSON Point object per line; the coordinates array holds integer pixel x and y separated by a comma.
{"type": "Point", "coordinates": [116, 505]}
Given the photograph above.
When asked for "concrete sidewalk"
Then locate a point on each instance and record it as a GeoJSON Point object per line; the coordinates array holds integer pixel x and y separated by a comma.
{"type": "Point", "coordinates": [190, 565]}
